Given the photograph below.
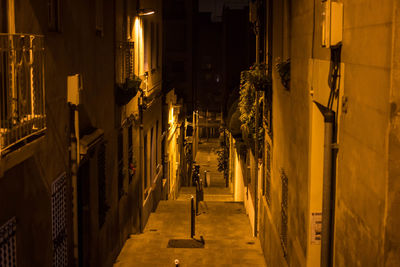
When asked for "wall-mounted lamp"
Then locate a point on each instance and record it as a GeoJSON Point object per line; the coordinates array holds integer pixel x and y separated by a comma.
{"type": "Point", "coordinates": [146, 12]}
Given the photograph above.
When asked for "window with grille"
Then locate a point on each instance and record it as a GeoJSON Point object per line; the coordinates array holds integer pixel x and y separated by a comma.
{"type": "Point", "coordinates": [101, 174]}
{"type": "Point", "coordinates": [267, 181]}
{"type": "Point", "coordinates": [59, 221]}
{"type": "Point", "coordinates": [284, 213]}
{"type": "Point", "coordinates": [131, 160]}
{"type": "Point", "coordinates": [120, 164]}
{"type": "Point", "coordinates": [8, 244]}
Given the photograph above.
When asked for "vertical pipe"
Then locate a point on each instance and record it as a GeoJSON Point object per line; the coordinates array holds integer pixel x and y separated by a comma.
{"type": "Point", "coordinates": [327, 196]}
{"type": "Point", "coordinates": [74, 179]}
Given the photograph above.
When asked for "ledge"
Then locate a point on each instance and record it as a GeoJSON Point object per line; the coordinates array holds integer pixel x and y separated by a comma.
{"type": "Point", "coordinates": [19, 155]}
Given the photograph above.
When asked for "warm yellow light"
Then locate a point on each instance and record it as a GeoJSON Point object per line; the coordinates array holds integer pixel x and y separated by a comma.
{"type": "Point", "coordinates": [145, 12]}
{"type": "Point", "coordinates": [171, 115]}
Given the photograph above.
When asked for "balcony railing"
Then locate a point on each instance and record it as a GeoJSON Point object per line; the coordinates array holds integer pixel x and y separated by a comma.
{"type": "Point", "coordinates": [125, 59]}
{"type": "Point", "coordinates": [22, 107]}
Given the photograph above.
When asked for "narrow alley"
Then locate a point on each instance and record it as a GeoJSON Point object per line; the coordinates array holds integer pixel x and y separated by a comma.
{"type": "Point", "coordinates": [222, 223]}
{"type": "Point", "coordinates": [278, 119]}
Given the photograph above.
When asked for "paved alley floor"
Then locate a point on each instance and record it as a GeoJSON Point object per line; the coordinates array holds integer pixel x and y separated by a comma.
{"type": "Point", "coordinates": [222, 223]}
{"type": "Point", "coordinates": [224, 227]}
{"type": "Point", "coordinates": [207, 158]}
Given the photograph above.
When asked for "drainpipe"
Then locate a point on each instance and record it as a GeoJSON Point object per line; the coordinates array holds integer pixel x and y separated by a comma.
{"type": "Point", "coordinates": [74, 178]}
{"type": "Point", "coordinates": [328, 188]}
{"type": "Point", "coordinates": [142, 164]}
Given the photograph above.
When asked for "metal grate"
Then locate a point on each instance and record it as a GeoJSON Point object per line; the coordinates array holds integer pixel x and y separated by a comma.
{"type": "Point", "coordinates": [101, 172]}
{"type": "Point", "coordinates": [8, 246]}
{"type": "Point", "coordinates": [125, 61]}
{"type": "Point", "coordinates": [284, 213]}
{"type": "Point", "coordinates": [267, 183]}
{"type": "Point", "coordinates": [59, 219]}
{"type": "Point", "coordinates": [130, 154]}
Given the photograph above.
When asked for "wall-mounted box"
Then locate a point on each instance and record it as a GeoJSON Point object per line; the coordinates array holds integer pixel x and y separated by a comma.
{"type": "Point", "coordinates": [332, 23]}
{"type": "Point", "coordinates": [74, 85]}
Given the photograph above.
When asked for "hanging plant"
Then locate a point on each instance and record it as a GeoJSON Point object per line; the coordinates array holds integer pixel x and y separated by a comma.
{"type": "Point", "coordinates": [283, 69]}
{"type": "Point", "coordinates": [126, 91]}
{"type": "Point", "coordinates": [252, 80]}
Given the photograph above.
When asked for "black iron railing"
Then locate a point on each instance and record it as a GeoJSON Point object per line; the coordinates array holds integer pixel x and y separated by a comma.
{"type": "Point", "coordinates": [22, 105]}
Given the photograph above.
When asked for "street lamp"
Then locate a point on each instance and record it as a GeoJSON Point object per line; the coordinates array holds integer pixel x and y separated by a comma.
{"type": "Point", "coordinates": [145, 12]}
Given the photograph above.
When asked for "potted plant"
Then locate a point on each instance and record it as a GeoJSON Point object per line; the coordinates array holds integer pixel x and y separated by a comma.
{"type": "Point", "coordinates": [126, 91]}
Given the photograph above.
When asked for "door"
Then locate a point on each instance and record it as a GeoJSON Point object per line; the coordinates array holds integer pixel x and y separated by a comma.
{"type": "Point", "coordinates": [83, 213]}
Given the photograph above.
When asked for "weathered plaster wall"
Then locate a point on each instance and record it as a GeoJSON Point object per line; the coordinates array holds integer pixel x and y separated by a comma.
{"type": "Point", "coordinates": [367, 191]}
{"type": "Point", "coordinates": [363, 156]}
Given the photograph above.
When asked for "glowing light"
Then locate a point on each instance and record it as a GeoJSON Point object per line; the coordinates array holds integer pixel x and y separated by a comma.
{"type": "Point", "coordinates": [145, 12]}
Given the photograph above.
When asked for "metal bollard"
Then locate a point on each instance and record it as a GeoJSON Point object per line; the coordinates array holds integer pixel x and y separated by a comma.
{"type": "Point", "coordinates": [192, 218]}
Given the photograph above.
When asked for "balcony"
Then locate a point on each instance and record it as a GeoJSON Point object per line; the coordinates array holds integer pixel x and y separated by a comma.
{"type": "Point", "coordinates": [127, 83]}
{"type": "Point", "coordinates": [22, 106]}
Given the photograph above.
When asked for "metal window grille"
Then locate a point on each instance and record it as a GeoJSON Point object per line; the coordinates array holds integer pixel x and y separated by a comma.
{"type": "Point", "coordinates": [8, 244]}
{"type": "Point", "coordinates": [22, 107]}
{"type": "Point", "coordinates": [120, 165]}
{"type": "Point", "coordinates": [125, 59]}
{"type": "Point", "coordinates": [59, 221]}
{"type": "Point", "coordinates": [101, 172]}
{"type": "Point", "coordinates": [267, 182]}
{"type": "Point", "coordinates": [130, 153]}
{"type": "Point", "coordinates": [284, 213]}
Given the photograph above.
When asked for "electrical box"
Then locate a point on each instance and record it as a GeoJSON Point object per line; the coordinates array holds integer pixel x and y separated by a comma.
{"type": "Point", "coordinates": [332, 23]}
{"type": "Point", "coordinates": [74, 86]}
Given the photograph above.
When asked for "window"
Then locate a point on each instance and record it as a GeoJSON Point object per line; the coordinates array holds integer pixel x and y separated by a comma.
{"type": "Point", "coordinates": [267, 181]}
{"type": "Point", "coordinates": [153, 46]}
{"type": "Point", "coordinates": [3, 16]}
{"type": "Point", "coordinates": [145, 46]}
{"type": "Point", "coordinates": [157, 45]}
{"type": "Point", "coordinates": [59, 221]}
{"type": "Point", "coordinates": [101, 174]}
{"type": "Point", "coordinates": [99, 17]}
{"type": "Point", "coordinates": [145, 178]}
{"type": "Point", "coordinates": [284, 213]}
{"type": "Point", "coordinates": [157, 143]}
{"type": "Point", "coordinates": [152, 162]}
{"type": "Point", "coordinates": [132, 164]}
{"type": "Point", "coordinates": [8, 246]}
{"type": "Point", "coordinates": [54, 15]}
{"type": "Point", "coordinates": [120, 164]}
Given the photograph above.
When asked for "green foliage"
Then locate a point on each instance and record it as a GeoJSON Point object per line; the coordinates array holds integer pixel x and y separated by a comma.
{"type": "Point", "coordinates": [252, 80]}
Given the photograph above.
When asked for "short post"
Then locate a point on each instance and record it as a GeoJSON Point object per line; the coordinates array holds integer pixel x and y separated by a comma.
{"type": "Point", "coordinates": [192, 218]}
{"type": "Point", "coordinates": [197, 197]}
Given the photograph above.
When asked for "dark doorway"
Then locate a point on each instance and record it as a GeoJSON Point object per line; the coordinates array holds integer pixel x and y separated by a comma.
{"type": "Point", "coordinates": [83, 213]}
